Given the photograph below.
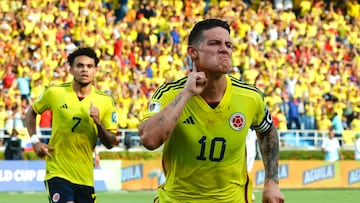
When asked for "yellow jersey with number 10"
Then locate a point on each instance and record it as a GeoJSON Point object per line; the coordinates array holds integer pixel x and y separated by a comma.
{"type": "Point", "coordinates": [204, 159]}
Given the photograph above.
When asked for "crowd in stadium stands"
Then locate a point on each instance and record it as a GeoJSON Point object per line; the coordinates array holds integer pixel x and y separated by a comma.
{"type": "Point", "coordinates": [304, 57]}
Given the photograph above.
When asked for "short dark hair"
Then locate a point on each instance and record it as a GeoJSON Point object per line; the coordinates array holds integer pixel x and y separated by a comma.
{"type": "Point", "coordinates": [83, 51]}
{"type": "Point", "coordinates": [196, 34]}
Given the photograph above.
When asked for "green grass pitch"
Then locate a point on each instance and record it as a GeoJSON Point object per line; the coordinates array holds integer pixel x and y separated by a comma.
{"type": "Point", "coordinates": [292, 196]}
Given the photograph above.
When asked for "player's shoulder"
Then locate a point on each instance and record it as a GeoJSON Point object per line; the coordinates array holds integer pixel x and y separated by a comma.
{"type": "Point", "coordinates": [239, 84]}
{"type": "Point", "coordinates": [101, 93]}
{"type": "Point", "coordinates": [57, 87]}
{"type": "Point", "coordinates": [60, 85]}
{"type": "Point", "coordinates": [102, 96]}
{"type": "Point", "coordinates": [169, 87]}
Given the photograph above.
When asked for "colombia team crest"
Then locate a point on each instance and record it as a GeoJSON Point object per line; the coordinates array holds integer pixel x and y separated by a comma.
{"type": "Point", "coordinates": [56, 197]}
{"type": "Point", "coordinates": [237, 121]}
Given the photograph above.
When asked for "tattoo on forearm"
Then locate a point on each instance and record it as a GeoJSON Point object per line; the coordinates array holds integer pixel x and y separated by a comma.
{"type": "Point", "coordinates": [176, 101]}
{"type": "Point", "coordinates": [161, 120]}
{"type": "Point", "coordinates": [269, 146]}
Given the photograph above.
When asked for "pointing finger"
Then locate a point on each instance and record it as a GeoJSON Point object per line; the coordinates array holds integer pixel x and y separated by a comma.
{"type": "Point", "coordinates": [194, 69]}
{"type": "Point", "coordinates": [47, 153]}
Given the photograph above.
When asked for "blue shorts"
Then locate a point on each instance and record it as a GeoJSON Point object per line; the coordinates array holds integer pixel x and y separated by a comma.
{"type": "Point", "coordinates": [62, 191]}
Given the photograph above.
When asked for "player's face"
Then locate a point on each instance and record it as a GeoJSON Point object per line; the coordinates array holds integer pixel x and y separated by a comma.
{"type": "Point", "coordinates": [215, 51]}
{"type": "Point", "coordinates": [84, 70]}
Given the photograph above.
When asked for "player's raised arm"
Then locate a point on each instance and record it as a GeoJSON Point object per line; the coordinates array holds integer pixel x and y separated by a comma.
{"type": "Point", "coordinates": [156, 130]}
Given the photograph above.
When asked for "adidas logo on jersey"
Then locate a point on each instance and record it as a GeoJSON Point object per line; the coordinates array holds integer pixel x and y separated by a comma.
{"type": "Point", "coordinates": [64, 106]}
{"type": "Point", "coordinates": [189, 120]}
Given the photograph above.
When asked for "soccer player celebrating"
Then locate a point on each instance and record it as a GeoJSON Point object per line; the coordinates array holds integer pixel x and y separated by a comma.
{"type": "Point", "coordinates": [81, 114]}
{"type": "Point", "coordinates": [203, 119]}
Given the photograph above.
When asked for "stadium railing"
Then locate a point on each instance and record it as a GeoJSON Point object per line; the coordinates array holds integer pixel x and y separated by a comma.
{"type": "Point", "coordinates": [128, 139]}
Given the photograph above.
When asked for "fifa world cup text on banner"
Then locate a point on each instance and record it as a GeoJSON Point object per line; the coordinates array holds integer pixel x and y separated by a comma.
{"type": "Point", "coordinates": [29, 175]}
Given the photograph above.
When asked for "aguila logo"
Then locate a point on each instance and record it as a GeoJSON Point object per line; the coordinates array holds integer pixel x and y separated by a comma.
{"type": "Point", "coordinates": [237, 121]}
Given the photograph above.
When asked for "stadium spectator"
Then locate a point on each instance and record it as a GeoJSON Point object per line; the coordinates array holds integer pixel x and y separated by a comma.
{"type": "Point", "coordinates": [355, 123]}
{"type": "Point", "coordinates": [9, 119]}
{"type": "Point", "coordinates": [188, 114]}
{"type": "Point", "coordinates": [283, 4]}
{"type": "Point", "coordinates": [319, 39]}
{"type": "Point", "coordinates": [45, 125]}
{"type": "Point", "coordinates": [175, 41]}
{"type": "Point", "coordinates": [18, 114]}
{"type": "Point", "coordinates": [338, 127]}
{"type": "Point", "coordinates": [282, 126]}
{"type": "Point", "coordinates": [80, 115]}
{"type": "Point", "coordinates": [357, 146]}
{"type": "Point", "coordinates": [122, 113]}
{"type": "Point", "coordinates": [309, 118]}
{"type": "Point", "coordinates": [331, 147]}
{"type": "Point", "coordinates": [290, 84]}
{"type": "Point", "coordinates": [14, 147]}
{"type": "Point", "coordinates": [3, 116]}
{"type": "Point", "coordinates": [14, 120]}
{"type": "Point", "coordinates": [324, 123]}
{"type": "Point", "coordinates": [132, 124]}
{"type": "Point", "coordinates": [23, 84]}
{"type": "Point", "coordinates": [294, 115]}
{"type": "Point", "coordinates": [69, 45]}
{"type": "Point", "coordinates": [37, 88]}
{"type": "Point", "coordinates": [345, 123]}
{"type": "Point", "coordinates": [146, 10]}
{"type": "Point", "coordinates": [8, 78]}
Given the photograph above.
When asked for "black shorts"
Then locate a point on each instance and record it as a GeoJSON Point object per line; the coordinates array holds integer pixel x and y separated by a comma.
{"type": "Point", "coordinates": [62, 191]}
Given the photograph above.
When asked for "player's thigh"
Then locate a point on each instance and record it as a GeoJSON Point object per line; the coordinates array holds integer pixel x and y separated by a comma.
{"type": "Point", "coordinates": [60, 190]}
{"type": "Point", "coordinates": [84, 194]}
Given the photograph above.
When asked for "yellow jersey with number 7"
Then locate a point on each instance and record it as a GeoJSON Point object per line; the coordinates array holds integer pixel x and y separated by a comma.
{"type": "Point", "coordinates": [74, 133]}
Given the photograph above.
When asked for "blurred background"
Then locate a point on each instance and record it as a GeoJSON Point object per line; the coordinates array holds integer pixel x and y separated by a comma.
{"type": "Point", "coordinates": [304, 55]}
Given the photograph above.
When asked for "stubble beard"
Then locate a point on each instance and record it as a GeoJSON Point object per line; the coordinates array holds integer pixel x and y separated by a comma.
{"type": "Point", "coordinates": [83, 84]}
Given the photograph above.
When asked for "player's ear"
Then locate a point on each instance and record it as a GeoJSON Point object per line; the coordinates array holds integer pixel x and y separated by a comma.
{"type": "Point", "coordinates": [192, 52]}
{"type": "Point", "coordinates": [70, 68]}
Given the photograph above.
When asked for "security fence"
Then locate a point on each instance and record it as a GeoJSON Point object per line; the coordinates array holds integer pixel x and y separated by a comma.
{"type": "Point", "coordinates": [128, 139]}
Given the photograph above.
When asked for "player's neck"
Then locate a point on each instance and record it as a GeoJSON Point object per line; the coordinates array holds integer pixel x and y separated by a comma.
{"type": "Point", "coordinates": [215, 91]}
{"type": "Point", "coordinates": [81, 91]}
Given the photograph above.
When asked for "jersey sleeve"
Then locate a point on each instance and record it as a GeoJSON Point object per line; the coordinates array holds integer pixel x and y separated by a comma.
{"type": "Point", "coordinates": [110, 117]}
{"type": "Point", "coordinates": [43, 102]}
{"type": "Point", "coordinates": [159, 101]}
{"type": "Point", "coordinates": [263, 120]}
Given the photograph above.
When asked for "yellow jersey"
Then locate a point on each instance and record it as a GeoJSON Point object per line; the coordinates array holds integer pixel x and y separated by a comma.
{"type": "Point", "coordinates": [204, 160]}
{"type": "Point", "coordinates": [74, 133]}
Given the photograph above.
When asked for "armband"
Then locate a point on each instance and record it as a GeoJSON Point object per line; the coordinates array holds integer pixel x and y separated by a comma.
{"type": "Point", "coordinates": [34, 138]}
